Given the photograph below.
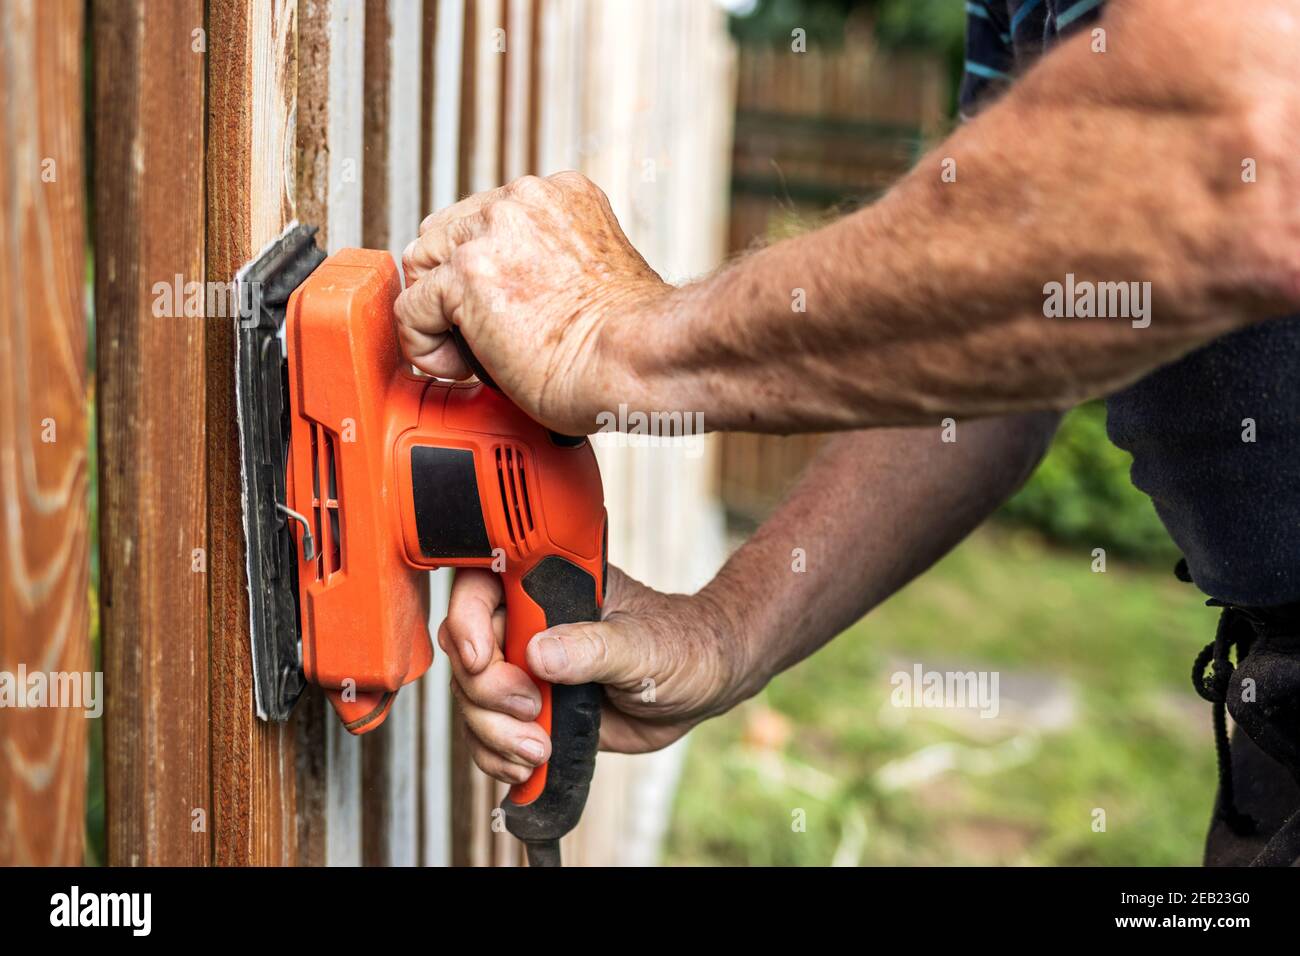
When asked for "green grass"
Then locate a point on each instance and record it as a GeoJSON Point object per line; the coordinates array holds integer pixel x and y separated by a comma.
{"type": "Point", "coordinates": [1017, 791]}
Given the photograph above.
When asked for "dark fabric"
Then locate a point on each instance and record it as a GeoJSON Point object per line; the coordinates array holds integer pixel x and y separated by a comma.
{"type": "Point", "coordinates": [1231, 506]}
{"type": "Point", "coordinates": [1257, 812]}
{"type": "Point", "coordinates": [1265, 791]}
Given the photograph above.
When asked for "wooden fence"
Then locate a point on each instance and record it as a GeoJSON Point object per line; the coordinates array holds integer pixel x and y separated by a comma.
{"type": "Point", "coordinates": [826, 126]}
{"type": "Point", "coordinates": [816, 131]}
{"type": "Point", "coordinates": [212, 126]}
{"type": "Point", "coordinates": [44, 523]}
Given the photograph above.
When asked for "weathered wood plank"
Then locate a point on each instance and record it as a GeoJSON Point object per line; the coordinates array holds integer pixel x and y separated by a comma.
{"type": "Point", "coordinates": [440, 782]}
{"type": "Point", "coordinates": [390, 219]}
{"type": "Point", "coordinates": [518, 153]}
{"type": "Point", "coordinates": [331, 89]}
{"type": "Point", "coordinates": [149, 308]}
{"type": "Point", "coordinates": [479, 163]}
{"type": "Point", "coordinates": [258, 796]}
{"type": "Point", "coordinates": [43, 425]}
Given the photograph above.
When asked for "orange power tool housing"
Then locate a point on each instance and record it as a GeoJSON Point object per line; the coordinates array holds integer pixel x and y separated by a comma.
{"type": "Point", "coordinates": [397, 474]}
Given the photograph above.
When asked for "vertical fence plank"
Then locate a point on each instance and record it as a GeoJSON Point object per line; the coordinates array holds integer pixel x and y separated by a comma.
{"type": "Point", "coordinates": [331, 88]}
{"type": "Point", "coordinates": [258, 796]}
{"type": "Point", "coordinates": [478, 162]}
{"type": "Point", "coordinates": [43, 425]}
{"type": "Point", "coordinates": [518, 153]}
{"type": "Point", "coordinates": [149, 308]}
{"type": "Point", "coordinates": [390, 219]}
{"type": "Point", "coordinates": [439, 780]}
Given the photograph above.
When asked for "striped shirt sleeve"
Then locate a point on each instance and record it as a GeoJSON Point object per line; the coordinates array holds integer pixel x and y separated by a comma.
{"type": "Point", "coordinates": [990, 58]}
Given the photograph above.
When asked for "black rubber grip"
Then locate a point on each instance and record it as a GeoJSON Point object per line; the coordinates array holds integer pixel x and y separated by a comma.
{"type": "Point", "coordinates": [470, 359]}
{"type": "Point", "coordinates": [567, 595]}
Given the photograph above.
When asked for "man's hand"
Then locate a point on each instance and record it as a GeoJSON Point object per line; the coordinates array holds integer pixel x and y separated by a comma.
{"type": "Point", "coordinates": [530, 273]}
{"type": "Point", "coordinates": [666, 661]}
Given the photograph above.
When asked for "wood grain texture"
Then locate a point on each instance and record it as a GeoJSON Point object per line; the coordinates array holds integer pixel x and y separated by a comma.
{"type": "Point", "coordinates": [260, 788]}
{"type": "Point", "coordinates": [44, 571]}
{"type": "Point", "coordinates": [330, 143]}
{"type": "Point", "coordinates": [149, 201]}
{"type": "Point", "coordinates": [391, 214]}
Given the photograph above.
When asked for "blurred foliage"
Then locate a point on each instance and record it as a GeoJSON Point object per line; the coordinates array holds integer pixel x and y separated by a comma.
{"type": "Point", "coordinates": [933, 26]}
{"type": "Point", "coordinates": [823, 739]}
{"type": "Point", "coordinates": [1081, 495]}
{"type": "Point", "coordinates": [824, 21]}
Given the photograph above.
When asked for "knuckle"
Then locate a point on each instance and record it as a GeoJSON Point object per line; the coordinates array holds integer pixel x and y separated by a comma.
{"type": "Point", "coordinates": [457, 693]}
{"type": "Point", "coordinates": [474, 260]}
{"type": "Point", "coordinates": [528, 188]}
{"type": "Point", "coordinates": [572, 179]}
{"type": "Point", "coordinates": [410, 256]}
{"type": "Point", "coordinates": [595, 645]}
{"type": "Point", "coordinates": [504, 212]}
{"type": "Point", "coordinates": [486, 760]}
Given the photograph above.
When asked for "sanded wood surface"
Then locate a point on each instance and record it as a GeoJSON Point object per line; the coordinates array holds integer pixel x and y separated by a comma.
{"type": "Point", "coordinates": [43, 426]}
{"type": "Point", "coordinates": [266, 778]}
{"type": "Point", "coordinates": [149, 119]}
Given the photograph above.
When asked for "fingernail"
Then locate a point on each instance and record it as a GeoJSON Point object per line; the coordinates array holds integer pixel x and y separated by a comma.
{"type": "Point", "coordinates": [530, 750]}
{"type": "Point", "coordinates": [524, 707]}
{"type": "Point", "coordinates": [409, 249]}
{"type": "Point", "coordinates": [468, 654]}
{"type": "Point", "coordinates": [554, 657]}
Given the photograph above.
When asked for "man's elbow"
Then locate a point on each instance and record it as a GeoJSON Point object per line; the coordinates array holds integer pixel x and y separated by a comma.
{"type": "Point", "coordinates": [1233, 82]}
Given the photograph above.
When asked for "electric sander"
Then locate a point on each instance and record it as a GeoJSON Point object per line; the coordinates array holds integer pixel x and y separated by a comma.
{"type": "Point", "coordinates": [361, 475]}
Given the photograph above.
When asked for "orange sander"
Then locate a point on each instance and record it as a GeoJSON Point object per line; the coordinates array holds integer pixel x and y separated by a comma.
{"type": "Point", "coordinates": [360, 476]}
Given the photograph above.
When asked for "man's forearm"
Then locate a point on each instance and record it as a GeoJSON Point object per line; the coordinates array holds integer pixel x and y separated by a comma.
{"type": "Point", "coordinates": [1116, 167]}
{"type": "Point", "coordinates": [873, 510]}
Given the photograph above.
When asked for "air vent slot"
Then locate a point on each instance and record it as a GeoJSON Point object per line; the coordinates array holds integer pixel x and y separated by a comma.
{"type": "Point", "coordinates": [326, 516]}
{"type": "Point", "coordinates": [515, 503]}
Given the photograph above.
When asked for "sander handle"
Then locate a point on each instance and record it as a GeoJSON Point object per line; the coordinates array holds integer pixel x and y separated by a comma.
{"type": "Point", "coordinates": [548, 805]}
{"type": "Point", "coordinates": [552, 591]}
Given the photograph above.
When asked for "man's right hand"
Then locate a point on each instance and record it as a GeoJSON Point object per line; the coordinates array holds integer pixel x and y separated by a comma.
{"type": "Point", "coordinates": [667, 661]}
{"type": "Point", "coordinates": [535, 275]}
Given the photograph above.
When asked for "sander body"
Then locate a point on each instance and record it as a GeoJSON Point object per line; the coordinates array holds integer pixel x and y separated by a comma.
{"type": "Point", "coordinates": [383, 475]}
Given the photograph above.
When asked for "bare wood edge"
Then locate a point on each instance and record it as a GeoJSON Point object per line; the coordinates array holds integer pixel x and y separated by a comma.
{"type": "Point", "coordinates": [252, 67]}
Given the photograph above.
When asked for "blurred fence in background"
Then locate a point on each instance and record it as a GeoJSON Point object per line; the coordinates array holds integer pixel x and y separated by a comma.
{"type": "Point", "coordinates": [816, 132]}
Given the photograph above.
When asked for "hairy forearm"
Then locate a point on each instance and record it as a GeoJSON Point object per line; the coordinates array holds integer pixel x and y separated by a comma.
{"type": "Point", "coordinates": [872, 511]}
{"type": "Point", "coordinates": [1116, 167]}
